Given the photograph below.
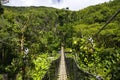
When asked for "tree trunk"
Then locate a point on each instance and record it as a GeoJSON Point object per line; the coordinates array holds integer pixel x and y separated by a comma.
{"type": "Point", "coordinates": [5, 76]}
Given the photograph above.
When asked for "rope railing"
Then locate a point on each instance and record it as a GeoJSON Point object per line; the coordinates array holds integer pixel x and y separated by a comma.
{"type": "Point", "coordinates": [114, 15]}
{"type": "Point", "coordinates": [86, 72]}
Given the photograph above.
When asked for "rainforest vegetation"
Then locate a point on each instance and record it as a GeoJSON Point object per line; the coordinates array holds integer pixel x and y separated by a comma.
{"type": "Point", "coordinates": [42, 29]}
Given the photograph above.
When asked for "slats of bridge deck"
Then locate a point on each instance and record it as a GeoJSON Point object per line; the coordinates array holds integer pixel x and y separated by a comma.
{"type": "Point", "coordinates": [62, 68]}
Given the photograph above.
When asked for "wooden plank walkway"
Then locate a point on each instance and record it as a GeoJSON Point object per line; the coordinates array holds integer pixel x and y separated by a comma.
{"type": "Point", "coordinates": [62, 67]}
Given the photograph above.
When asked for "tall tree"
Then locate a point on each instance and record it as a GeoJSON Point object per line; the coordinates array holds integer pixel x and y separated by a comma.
{"type": "Point", "coordinates": [1, 9]}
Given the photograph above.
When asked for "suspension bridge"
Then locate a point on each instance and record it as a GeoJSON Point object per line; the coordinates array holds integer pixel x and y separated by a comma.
{"type": "Point", "coordinates": [63, 70]}
{"type": "Point", "coordinates": [62, 67]}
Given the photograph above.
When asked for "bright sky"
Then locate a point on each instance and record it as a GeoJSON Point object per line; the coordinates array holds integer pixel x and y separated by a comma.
{"type": "Point", "coordinates": [72, 4]}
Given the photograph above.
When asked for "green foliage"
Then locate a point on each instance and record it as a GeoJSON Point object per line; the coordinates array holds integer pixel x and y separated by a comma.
{"type": "Point", "coordinates": [41, 65]}
{"type": "Point", "coordinates": [99, 58]}
{"type": "Point", "coordinates": [44, 29]}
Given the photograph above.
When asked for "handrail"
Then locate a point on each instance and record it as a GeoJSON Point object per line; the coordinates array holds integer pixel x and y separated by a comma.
{"type": "Point", "coordinates": [114, 15]}
{"type": "Point", "coordinates": [96, 76]}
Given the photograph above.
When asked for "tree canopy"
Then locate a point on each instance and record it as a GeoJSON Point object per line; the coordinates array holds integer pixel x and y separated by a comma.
{"type": "Point", "coordinates": [42, 30]}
